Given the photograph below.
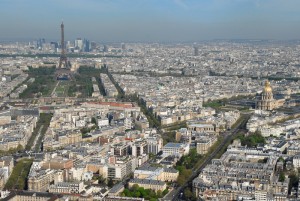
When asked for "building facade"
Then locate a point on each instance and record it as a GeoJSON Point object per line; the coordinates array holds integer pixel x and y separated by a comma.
{"type": "Point", "coordinates": [266, 101]}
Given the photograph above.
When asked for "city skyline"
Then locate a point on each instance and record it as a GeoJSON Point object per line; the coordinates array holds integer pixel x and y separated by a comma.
{"type": "Point", "coordinates": [154, 100]}
{"type": "Point", "coordinates": [151, 21]}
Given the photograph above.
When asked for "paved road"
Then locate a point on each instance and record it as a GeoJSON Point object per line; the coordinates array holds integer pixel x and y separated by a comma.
{"type": "Point", "coordinates": [53, 91]}
{"type": "Point", "coordinates": [36, 138]}
{"type": "Point", "coordinates": [175, 195]}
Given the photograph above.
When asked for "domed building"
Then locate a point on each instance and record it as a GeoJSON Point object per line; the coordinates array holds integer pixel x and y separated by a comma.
{"type": "Point", "coordinates": [266, 101]}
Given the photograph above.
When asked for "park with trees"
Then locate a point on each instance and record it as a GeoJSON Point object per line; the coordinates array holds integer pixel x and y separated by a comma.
{"type": "Point", "coordinates": [139, 192]}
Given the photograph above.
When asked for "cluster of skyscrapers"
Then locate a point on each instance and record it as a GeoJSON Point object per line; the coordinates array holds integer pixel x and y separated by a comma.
{"type": "Point", "coordinates": [78, 45]}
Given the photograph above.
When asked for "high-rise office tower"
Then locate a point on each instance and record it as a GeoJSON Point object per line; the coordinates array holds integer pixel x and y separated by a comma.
{"type": "Point", "coordinates": [196, 51]}
{"type": "Point", "coordinates": [79, 44]}
{"type": "Point", "coordinates": [86, 47]}
{"type": "Point", "coordinates": [123, 46]}
{"type": "Point", "coordinates": [105, 48]}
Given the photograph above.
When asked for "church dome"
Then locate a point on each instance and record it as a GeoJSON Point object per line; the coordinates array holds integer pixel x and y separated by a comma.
{"type": "Point", "coordinates": [267, 87]}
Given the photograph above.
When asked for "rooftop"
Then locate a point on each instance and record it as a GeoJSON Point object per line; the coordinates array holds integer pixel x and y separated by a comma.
{"type": "Point", "coordinates": [173, 145]}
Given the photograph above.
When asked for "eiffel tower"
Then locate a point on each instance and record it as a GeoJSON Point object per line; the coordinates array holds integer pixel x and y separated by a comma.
{"type": "Point", "coordinates": [63, 61]}
{"type": "Point", "coordinates": [63, 71]}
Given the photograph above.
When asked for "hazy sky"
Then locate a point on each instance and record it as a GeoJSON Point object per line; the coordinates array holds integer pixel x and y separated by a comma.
{"type": "Point", "coordinates": [151, 20]}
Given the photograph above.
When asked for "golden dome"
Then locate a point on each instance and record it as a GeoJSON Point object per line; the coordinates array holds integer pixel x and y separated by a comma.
{"type": "Point", "coordinates": [267, 87]}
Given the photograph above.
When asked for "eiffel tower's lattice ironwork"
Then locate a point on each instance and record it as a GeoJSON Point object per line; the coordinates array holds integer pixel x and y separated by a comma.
{"type": "Point", "coordinates": [63, 61]}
